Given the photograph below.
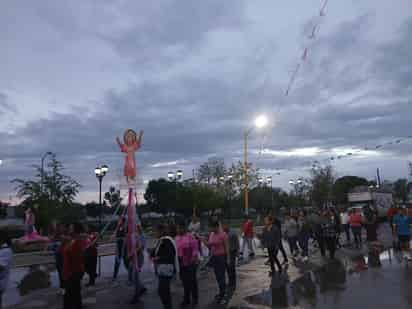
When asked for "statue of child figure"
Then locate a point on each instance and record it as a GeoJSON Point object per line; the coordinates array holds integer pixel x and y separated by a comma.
{"type": "Point", "coordinates": [131, 144]}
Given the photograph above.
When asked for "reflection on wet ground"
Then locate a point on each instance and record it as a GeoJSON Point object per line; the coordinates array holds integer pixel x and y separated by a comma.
{"type": "Point", "coordinates": [357, 282]}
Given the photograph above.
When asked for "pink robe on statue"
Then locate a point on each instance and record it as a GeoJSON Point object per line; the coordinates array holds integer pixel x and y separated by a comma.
{"type": "Point", "coordinates": [130, 162]}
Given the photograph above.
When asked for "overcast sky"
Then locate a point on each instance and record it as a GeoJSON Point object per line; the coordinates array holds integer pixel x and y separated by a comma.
{"type": "Point", "coordinates": [194, 74]}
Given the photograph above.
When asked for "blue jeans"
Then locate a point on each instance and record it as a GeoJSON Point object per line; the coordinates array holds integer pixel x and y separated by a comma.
{"type": "Point", "coordinates": [304, 243]}
{"type": "Point", "coordinates": [219, 267]}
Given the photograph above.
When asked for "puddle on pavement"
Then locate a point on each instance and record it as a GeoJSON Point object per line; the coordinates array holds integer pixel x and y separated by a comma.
{"type": "Point", "coordinates": [350, 283]}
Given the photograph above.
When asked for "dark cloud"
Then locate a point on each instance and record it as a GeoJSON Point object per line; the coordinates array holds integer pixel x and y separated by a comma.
{"type": "Point", "coordinates": [337, 101]}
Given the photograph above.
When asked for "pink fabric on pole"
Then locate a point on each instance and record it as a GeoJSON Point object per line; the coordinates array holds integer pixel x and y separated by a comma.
{"type": "Point", "coordinates": [131, 229]}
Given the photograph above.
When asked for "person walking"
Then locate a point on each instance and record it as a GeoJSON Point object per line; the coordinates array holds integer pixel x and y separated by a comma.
{"type": "Point", "coordinates": [136, 267]}
{"type": "Point", "coordinates": [271, 240]}
{"type": "Point", "coordinates": [121, 255]}
{"type": "Point", "coordinates": [371, 222]}
{"type": "Point", "coordinates": [234, 249]}
{"type": "Point", "coordinates": [278, 224]}
{"type": "Point", "coordinates": [355, 222]}
{"type": "Point", "coordinates": [248, 234]}
{"type": "Point", "coordinates": [291, 233]}
{"type": "Point", "coordinates": [6, 257]}
{"type": "Point", "coordinates": [344, 219]}
{"type": "Point", "coordinates": [91, 258]}
{"type": "Point", "coordinates": [304, 235]}
{"type": "Point", "coordinates": [188, 254]}
{"type": "Point", "coordinates": [329, 228]}
{"type": "Point", "coordinates": [218, 245]}
{"type": "Point", "coordinates": [401, 223]}
{"type": "Point", "coordinates": [392, 211]}
{"type": "Point", "coordinates": [166, 264]}
{"type": "Point", "coordinates": [73, 268]}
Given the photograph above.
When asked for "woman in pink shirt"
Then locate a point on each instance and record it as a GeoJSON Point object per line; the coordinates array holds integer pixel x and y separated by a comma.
{"type": "Point", "coordinates": [219, 250]}
{"type": "Point", "coordinates": [188, 253]}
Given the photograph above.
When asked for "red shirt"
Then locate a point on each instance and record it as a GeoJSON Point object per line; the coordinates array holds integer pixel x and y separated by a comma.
{"type": "Point", "coordinates": [391, 212]}
{"type": "Point", "coordinates": [248, 229]}
{"type": "Point", "coordinates": [355, 220]}
{"type": "Point", "coordinates": [73, 259]}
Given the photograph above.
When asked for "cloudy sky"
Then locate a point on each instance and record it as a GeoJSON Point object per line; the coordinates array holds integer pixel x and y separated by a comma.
{"type": "Point", "coordinates": [193, 75]}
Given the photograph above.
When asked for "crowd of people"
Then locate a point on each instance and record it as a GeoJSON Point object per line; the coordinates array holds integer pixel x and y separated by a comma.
{"type": "Point", "coordinates": [181, 249]}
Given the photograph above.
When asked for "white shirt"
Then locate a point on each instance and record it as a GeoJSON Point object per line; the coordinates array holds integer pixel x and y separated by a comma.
{"type": "Point", "coordinates": [6, 256]}
{"type": "Point", "coordinates": [344, 218]}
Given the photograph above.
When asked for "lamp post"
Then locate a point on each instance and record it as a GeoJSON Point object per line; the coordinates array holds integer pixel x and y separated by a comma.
{"type": "Point", "coordinates": [260, 122]}
{"type": "Point", "coordinates": [175, 177]}
{"type": "Point", "coordinates": [296, 183]}
{"type": "Point", "coordinates": [269, 181]}
{"type": "Point", "coordinates": [100, 172]}
{"type": "Point", "coordinates": [43, 158]}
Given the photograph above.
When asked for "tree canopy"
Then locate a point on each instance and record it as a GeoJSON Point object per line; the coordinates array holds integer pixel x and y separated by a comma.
{"type": "Point", "coordinates": [52, 193]}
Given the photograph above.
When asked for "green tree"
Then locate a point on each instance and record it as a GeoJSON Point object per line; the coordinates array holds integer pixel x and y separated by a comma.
{"type": "Point", "coordinates": [113, 200]}
{"type": "Point", "coordinates": [321, 184]}
{"type": "Point", "coordinates": [92, 209]}
{"type": "Point", "coordinates": [238, 175]}
{"type": "Point", "coordinates": [52, 197]}
{"type": "Point", "coordinates": [343, 185]}
{"type": "Point", "coordinates": [161, 195]}
{"type": "Point", "coordinates": [401, 189]}
{"type": "Point", "coordinates": [211, 171]}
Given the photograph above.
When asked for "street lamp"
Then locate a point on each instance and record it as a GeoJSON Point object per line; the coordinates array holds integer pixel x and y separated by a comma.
{"type": "Point", "coordinates": [100, 172]}
{"type": "Point", "coordinates": [260, 122]}
{"type": "Point", "coordinates": [175, 177]}
{"type": "Point", "coordinates": [43, 158]}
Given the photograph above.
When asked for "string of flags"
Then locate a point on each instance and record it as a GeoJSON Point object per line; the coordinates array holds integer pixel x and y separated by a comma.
{"type": "Point", "coordinates": [311, 37]}
{"type": "Point", "coordinates": [351, 154]}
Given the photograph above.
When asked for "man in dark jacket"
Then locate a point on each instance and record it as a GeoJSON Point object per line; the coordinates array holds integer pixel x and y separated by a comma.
{"type": "Point", "coordinates": [271, 239]}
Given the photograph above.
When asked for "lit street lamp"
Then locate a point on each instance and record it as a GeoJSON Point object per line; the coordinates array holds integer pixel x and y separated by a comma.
{"type": "Point", "coordinates": [260, 122]}
{"type": "Point", "coordinates": [100, 172]}
{"type": "Point", "coordinates": [175, 177]}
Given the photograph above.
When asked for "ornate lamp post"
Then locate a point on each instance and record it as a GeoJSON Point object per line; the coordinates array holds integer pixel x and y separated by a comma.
{"type": "Point", "coordinates": [100, 172]}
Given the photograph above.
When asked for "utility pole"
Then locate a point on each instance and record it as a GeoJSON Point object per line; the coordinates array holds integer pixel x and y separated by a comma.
{"type": "Point", "coordinates": [378, 177]}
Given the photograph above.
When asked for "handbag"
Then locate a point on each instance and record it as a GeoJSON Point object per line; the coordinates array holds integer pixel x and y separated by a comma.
{"type": "Point", "coordinates": [166, 270]}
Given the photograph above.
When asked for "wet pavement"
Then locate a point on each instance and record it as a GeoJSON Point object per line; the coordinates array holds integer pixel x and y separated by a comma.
{"type": "Point", "coordinates": [350, 281]}
{"type": "Point", "coordinates": [344, 283]}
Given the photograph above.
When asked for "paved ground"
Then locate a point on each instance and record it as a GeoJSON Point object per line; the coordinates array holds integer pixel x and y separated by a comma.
{"type": "Point", "coordinates": [344, 283]}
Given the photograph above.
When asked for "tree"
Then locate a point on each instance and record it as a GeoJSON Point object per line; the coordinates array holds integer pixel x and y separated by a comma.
{"type": "Point", "coordinates": [165, 196]}
{"type": "Point", "coordinates": [401, 189]}
{"type": "Point", "coordinates": [321, 183]}
{"type": "Point", "coordinates": [343, 185]}
{"type": "Point", "coordinates": [52, 197]}
{"type": "Point", "coordinates": [114, 200]}
{"type": "Point", "coordinates": [92, 209]}
{"type": "Point", "coordinates": [3, 209]}
{"type": "Point", "coordinates": [211, 171]}
{"type": "Point", "coordinates": [410, 168]}
{"type": "Point", "coordinates": [238, 174]}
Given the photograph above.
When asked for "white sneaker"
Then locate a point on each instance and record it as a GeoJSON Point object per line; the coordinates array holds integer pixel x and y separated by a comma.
{"type": "Point", "coordinates": [305, 259]}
